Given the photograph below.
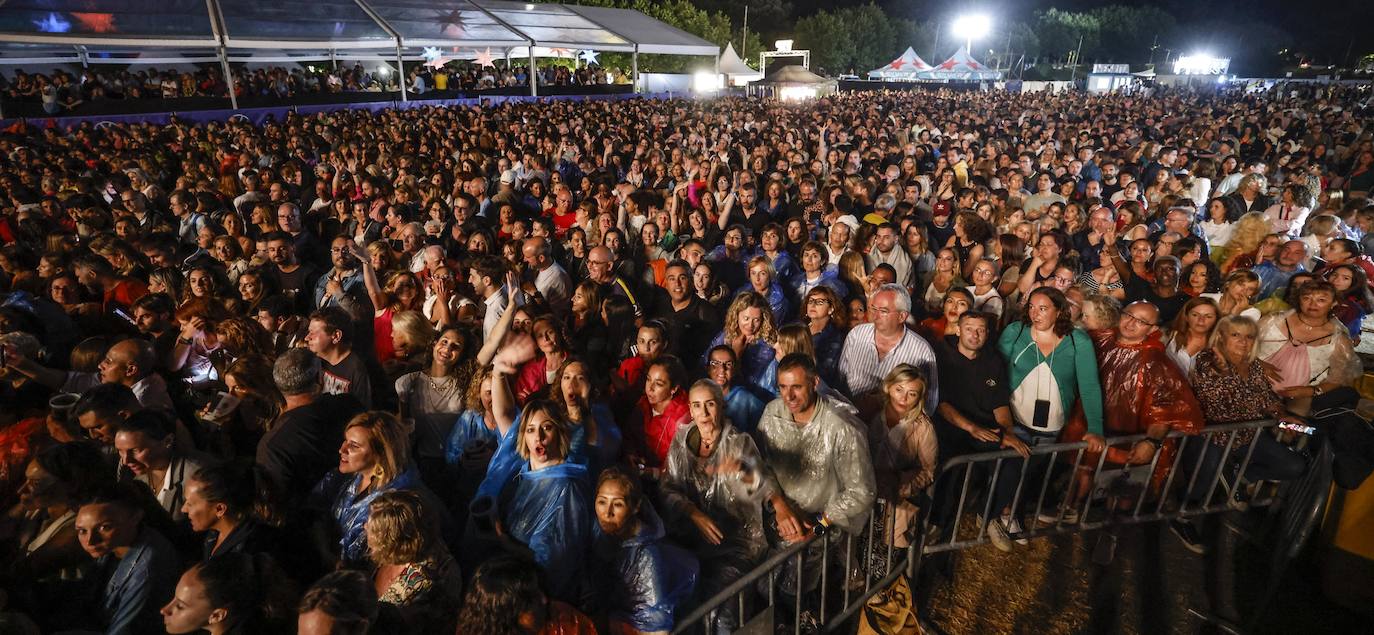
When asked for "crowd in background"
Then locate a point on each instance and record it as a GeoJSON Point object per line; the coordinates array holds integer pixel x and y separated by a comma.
{"type": "Point", "coordinates": [557, 367]}
{"type": "Point", "coordinates": [61, 91]}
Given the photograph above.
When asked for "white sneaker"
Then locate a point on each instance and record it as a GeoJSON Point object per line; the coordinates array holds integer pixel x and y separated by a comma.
{"type": "Point", "coordinates": [1013, 526]}
{"type": "Point", "coordinates": [998, 535]}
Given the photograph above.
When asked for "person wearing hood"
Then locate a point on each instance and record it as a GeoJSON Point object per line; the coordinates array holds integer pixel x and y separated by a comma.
{"type": "Point", "coordinates": [644, 578]}
{"type": "Point", "coordinates": [1143, 391]}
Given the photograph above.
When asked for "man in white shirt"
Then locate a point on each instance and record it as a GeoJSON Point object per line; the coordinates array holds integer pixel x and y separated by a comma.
{"type": "Point", "coordinates": [549, 277]}
{"type": "Point", "coordinates": [874, 349]}
{"type": "Point", "coordinates": [488, 279]}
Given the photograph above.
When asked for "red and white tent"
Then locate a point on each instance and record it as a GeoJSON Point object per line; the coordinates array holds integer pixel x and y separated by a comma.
{"type": "Point", "coordinates": [961, 67]}
{"type": "Point", "coordinates": [907, 67]}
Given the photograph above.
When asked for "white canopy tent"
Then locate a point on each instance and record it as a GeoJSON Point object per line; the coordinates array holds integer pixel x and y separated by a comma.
{"type": "Point", "coordinates": [962, 67]}
{"type": "Point", "coordinates": [36, 32]}
{"type": "Point", "coordinates": [907, 67]}
{"type": "Point", "coordinates": [732, 66]}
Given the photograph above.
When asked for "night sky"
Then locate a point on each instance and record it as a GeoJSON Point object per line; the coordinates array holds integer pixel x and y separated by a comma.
{"type": "Point", "coordinates": [1323, 28]}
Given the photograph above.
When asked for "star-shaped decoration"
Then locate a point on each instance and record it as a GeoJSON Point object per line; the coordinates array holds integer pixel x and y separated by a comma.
{"type": "Point", "coordinates": [897, 64]}
{"type": "Point", "coordinates": [452, 23]}
{"type": "Point", "coordinates": [436, 62]}
{"type": "Point", "coordinates": [432, 53]}
{"type": "Point", "coordinates": [96, 22]}
{"type": "Point", "coordinates": [53, 24]}
{"type": "Point", "coordinates": [484, 58]}
{"type": "Point", "coordinates": [949, 64]}
{"type": "Point", "coordinates": [588, 56]}
{"type": "Point", "coordinates": [560, 52]}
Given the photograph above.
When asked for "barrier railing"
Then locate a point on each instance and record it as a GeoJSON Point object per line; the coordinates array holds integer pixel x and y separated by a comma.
{"type": "Point", "coordinates": [1090, 494]}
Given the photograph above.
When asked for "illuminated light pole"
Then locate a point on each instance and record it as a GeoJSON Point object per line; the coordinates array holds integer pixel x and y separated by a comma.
{"type": "Point", "coordinates": [970, 28]}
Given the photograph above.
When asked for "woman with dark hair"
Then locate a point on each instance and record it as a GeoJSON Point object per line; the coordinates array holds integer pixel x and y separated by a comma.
{"type": "Point", "coordinates": [256, 404]}
{"type": "Point", "coordinates": [708, 285]}
{"type": "Point", "coordinates": [255, 285]}
{"type": "Point", "coordinates": [232, 504]}
{"type": "Point", "coordinates": [816, 271]}
{"type": "Point", "coordinates": [596, 439]}
{"type": "Point", "coordinates": [1191, 332]}
{"type": "Point", "coordinates": [506, 600]}
{"type": "Point", "coordinates": [827, 318]}
{"type": "Point", "coordinates": [958, 301]}
{"type": "Point", "coordinates": [1354, 300]}
{"type": "Point", "coordinates": [536, 375]}
{"type": "Point", "coordinates": [1044, 261]}
{"type": "Point", "coordinates": [971, 232]}
{"type": "Point", "coordinates": [238, 594]}
{"type": "Point", "coordinates": [1222, 214]}
{"type": "Point", "coordinates": [658, 414]}
{"type": "Point", "coordinates": [643, 577]}
{"type": "Point", "coordinates": [1052, 367]}
{"type": "Point", "coordinates": [42, 524]}
{"type": "Point", "coordinates": [1200, 278]}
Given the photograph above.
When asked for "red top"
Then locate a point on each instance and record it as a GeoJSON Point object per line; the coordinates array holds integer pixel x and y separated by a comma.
{"type": "Point", "coordinates": [124, 294]}
{"type": "Point", "coordinates": [658, 430]}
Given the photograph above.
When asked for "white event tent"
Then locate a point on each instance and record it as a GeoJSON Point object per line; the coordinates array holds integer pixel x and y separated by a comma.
{"type": "Point", "coordinates": [86, 32]}
{"type": "Point", "coordinates": [907, 67]}
{"type": "Point", "coordinates": [961, 67]}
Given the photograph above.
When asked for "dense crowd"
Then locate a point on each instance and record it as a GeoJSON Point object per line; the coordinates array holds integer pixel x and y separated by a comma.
{"type": "Point", "coordinates": [544, 367]}
{"type": "Point", "coordinates": [61, 91]}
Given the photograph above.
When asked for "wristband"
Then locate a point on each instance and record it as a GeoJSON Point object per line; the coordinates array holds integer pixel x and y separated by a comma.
{"type": "Point", "coordinates": [185, 341]}
{"type": "Point", "coordinates": [1158, 443]}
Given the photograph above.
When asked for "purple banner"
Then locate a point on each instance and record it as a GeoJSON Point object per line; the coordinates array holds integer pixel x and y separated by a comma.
{"type": "Point", "coordinates": [258, 115]}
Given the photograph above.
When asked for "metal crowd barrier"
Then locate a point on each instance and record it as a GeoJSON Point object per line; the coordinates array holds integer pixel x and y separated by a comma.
{"type": "Point", "coordinates": [769, 593]}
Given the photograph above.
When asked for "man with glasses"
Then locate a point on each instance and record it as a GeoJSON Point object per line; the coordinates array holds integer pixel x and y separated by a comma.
{"type": "Point", "coordinates": [601, 269]}
{"type": "Point", "coordinates": [872, 350]}
{"type": "Point", "coordinates": [343, 285]}
{"type": "Point", "coordinates": [1143, 391]}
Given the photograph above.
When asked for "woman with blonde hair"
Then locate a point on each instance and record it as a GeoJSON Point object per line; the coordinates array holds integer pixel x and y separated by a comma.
{"type": "Point", "coordinates": [1319, 231]}
{"type": "Point", "coordinates": [1242, 250]}
{"type": "Point", "coordinates": [1237, 294]}
{"type": "Point", "coordinates": [411, 337]}
{"type": "Point", "coordinates": [414, 570]}
{"type": "Point", "coordinates": [904, 450]}
{"type": "Point", "coordinates": [1100, 312]}
{"type": "Point", "coordinates": [854, 272]}
{"type": "Point", "coordinates": [374, 458]}
{"type": "Point", "coordinates": [750, 330]}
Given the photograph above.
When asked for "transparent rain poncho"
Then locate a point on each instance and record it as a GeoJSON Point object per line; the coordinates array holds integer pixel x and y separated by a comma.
{"type": "Point", "coordinates": [822, 467]}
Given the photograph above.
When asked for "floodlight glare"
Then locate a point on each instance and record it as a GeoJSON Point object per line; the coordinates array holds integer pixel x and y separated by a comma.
{"type": "Point", "coordinates": [1201, 64]}
{"type": "Point", "coordinates": [706, 82]}
{"type": "Point", "coordinates": [971, 27]}
{"type": "Point", "coordinates": [797, 93]}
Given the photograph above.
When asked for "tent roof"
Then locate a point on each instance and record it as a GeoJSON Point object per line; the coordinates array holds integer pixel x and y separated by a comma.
{"type": "Point", "coordinates": [961, 65]}
{"type": "Point", "coordinates": [907, 63]}
{"type": "Point", "coordinates": [335, 25]}
{"type": "Point", "coordinates": [731, 64]}
{"type": "Point", "coordinates": [796, 75]}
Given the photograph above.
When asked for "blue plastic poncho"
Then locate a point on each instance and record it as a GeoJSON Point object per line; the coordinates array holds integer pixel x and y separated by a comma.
{"type": "Point", "coordinates": [607, 449]}
{"type": "Point", "coordinates": [350, 510]}
{"type": "Point", "coordinates": [468, 436]}
{"type": "Point", "coordinates": [645, 578]}
{"type": "Point", "coordinates": [753, 367]}
{"type": "Point", "coordinates": [506, 461]}
{"type": "Point", "coordinates": [549, 511]}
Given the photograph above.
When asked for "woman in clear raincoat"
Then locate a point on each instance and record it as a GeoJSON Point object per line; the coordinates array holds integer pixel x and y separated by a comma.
{"type": "Point", "coordinates": [544, 506]}
{"type": "Point", "coordinates": [712, 481]}
{"type": "Point", "coordinates": [643, 578]}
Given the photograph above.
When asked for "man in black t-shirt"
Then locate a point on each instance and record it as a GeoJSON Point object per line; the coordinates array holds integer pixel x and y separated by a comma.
{"type": "Point", "coordinates": [977, 418]}
{"type": "Point", "coordinates": [1163, 293]}
{"type": "Point", "coordinates": [342, 371]}
{"type": "Point", "coordinates": [691, 321]}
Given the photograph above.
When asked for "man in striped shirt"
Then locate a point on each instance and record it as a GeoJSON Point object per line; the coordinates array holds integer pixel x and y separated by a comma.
{"type": "Point", "coordinates": [874, 349]}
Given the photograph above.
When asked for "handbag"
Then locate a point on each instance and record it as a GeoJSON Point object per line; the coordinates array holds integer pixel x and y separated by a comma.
{"type": "Point", "coordinates": [890, 612]}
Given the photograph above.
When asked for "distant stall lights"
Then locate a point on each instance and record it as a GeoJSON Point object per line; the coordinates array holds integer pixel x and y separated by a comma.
{"type": "Point", "coordinates": [707, 82]}
{"type": "Point", "coordinates": [1201, 64]}
{"type": "Point", "coordinates": [796, 93]}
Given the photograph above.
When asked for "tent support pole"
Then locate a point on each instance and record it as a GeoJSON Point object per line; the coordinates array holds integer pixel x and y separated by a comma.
{"type": "Point", "coordinates": [401, 74]}
{"type": "Point", "coordinates": [228, 77]}
{"type": "Point", "coordinates": [634, 68]}
{"type": "Point", "coordinates": [534, 85]}
{"type": "Point", "coordinates": [333, 60]}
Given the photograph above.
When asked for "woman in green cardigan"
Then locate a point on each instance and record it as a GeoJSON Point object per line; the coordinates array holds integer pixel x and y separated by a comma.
{"type": "Point", "coordinates": [1052, 365]}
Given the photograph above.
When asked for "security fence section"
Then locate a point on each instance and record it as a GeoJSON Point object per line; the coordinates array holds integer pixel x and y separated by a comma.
{"type": "Point", "coordinates": [822, 583]}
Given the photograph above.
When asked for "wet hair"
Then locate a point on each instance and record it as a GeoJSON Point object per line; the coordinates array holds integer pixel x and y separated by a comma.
{"type": "Point", "coordinates": [256, 593]}
{"type": "Point", "coordinates": [503, 589]}
{"type": "Point", "coordinates": [347, 597]}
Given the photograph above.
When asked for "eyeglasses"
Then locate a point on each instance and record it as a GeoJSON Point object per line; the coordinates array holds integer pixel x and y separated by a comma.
{"type": "Point", "coordinates": [1138, 320]}
{"type": "Point", "coordinates": [818, 302]}
{"type": "Point", "coordinates": [715, 363]}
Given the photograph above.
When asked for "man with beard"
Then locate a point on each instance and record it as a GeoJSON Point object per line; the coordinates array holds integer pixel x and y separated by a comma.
{"type": "Point", "coordinates": [691, 321]}
{"type": "Point", "coordinates": [296, 279]}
